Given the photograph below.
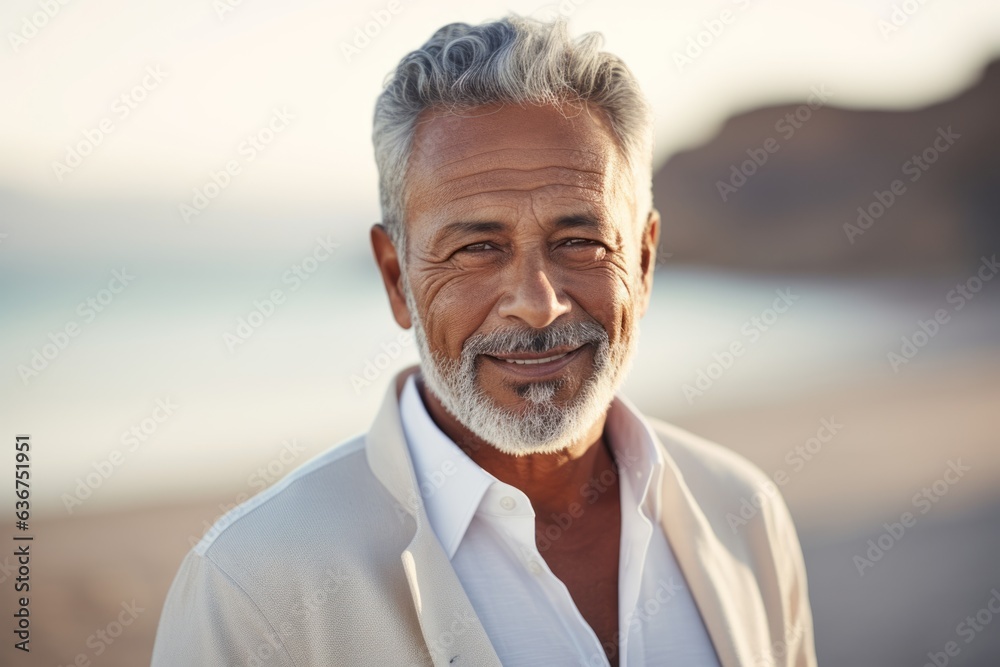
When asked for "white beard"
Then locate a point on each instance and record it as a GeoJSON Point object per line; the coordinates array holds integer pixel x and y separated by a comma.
{"type": "Point", "coordinates": [542, 427]}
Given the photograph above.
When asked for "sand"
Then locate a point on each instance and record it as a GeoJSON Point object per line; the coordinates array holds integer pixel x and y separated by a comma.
{"type": "Point", "coordinates": [898, 435]}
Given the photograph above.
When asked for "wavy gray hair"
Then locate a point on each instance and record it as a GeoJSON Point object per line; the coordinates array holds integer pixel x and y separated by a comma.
{"type": "Point", "coordinates": [514, 60]}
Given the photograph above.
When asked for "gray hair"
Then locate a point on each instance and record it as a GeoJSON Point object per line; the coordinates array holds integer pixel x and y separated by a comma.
{"type": "Point", "coordinates": [514, 60]}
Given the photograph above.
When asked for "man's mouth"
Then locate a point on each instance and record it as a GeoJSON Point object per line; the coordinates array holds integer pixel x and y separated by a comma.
{"type": "Point", "coordinates": [536, 364]}
{"type": "Point", "coordinates": [535, 361]}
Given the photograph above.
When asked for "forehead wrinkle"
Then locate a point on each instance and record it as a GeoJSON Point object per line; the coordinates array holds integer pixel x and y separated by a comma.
{"type": "Point", "coordinates": [589, 170]}
{"type": "Point", "coordinates": [487, 192]}
{"type": "Point", "coordinates": [449, 150]}
{"type": "Point", "coordinates": [522, 170]}
{"type": "Point", "coordinates": [519, 180]}
{"type": "Point", "coordinates": [582, 155]}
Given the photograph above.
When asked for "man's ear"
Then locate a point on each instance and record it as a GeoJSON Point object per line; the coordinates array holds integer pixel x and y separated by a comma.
{"type": "Point", "coordinates": [648, 244]}
{"type": "Point", "coordinates": [387, 260]}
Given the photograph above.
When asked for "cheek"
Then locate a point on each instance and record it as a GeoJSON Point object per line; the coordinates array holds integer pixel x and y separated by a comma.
{"type": "Point", "coordinates": [455, 310]}
{"type": "Point", "coordinates": [626, 323]}
{"type": "Point", "coordinates": [605, 298]}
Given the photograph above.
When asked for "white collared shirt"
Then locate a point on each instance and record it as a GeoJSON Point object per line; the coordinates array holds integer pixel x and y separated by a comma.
{"type": "Point", "coordinates": [487, 528]}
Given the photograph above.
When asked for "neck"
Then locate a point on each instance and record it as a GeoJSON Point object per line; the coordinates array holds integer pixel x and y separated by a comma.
{"type": "Point", "coordinates": [551, 481]}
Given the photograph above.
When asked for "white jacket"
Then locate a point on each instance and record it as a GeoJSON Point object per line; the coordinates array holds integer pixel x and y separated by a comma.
{"type": "Point", "coordinates": [338, 565]}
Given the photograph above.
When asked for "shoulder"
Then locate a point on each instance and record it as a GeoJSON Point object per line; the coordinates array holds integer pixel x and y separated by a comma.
{"type": "Point", "coordinates": [289, 495]}
{"type": "Point", "coordinates": [746, 513]}
{"type": "Point", "coordinates": [324, 508]}
{"type": "Point", "coordinates": [311, 556]}
{"type": "Point", "coordinates": [741, 503]}
{"type": "Point", "coordinates": [700, 460]}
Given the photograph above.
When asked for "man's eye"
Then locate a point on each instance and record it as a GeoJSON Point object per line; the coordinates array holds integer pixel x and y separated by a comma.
{"type": "Point", "coordinates": [582, 244]}
{"type": "Point", "coordinates": [480, 247]}
{"type": "Point", "coordinates": [582, 250]}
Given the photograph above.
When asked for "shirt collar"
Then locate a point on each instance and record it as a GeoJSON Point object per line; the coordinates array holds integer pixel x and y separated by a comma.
{"type": "Point", "coordinates": [640, 461]}
{"type": "Point", "coordinates": [453, 485]}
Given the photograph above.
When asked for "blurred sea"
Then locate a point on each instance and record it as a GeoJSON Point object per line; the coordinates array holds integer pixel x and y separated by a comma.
{"type": "Point", "coordinates": [301, 375]}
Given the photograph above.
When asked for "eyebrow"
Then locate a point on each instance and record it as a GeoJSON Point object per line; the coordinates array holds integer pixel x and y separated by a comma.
{"type": "Point", "coordinates": [580, 220]}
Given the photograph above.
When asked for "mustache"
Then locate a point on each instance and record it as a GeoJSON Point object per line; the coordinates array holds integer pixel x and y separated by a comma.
{"type": "Point", "coordinates": [514, 340]}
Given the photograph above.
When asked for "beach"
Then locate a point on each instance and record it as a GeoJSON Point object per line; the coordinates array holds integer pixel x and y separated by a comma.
{"type": "Point", "coordinates": [92, 573]}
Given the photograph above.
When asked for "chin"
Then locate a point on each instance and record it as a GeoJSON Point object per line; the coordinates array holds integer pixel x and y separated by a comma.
{"type": "Point", "coordinates": [518, 414]}
{"type": "Point", "coordinates": [539, 422]}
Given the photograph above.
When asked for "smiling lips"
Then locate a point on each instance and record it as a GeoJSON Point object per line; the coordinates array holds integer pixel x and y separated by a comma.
{"type": "Point", "coordinates": [536, 361]}
{"type": "Point", "coordinates": [532, 364]}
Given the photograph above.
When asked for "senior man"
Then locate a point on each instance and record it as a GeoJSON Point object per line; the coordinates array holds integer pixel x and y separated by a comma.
{"type": "Point", "coordinates": [506, 507]}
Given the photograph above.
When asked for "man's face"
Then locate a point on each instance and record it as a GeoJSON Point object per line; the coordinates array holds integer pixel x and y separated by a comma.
{"type": "Point", "coordinates": [527, 270]}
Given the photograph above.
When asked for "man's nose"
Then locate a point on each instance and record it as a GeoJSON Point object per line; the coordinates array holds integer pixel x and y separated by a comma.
{"type": "Point", "coordinates": [532, 296]}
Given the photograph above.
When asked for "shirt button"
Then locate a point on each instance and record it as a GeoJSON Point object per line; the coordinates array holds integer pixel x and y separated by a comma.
{"type": "Point", "coordinates": [508, 503]}
{"type": "Point", "coordinates": [534, 567]}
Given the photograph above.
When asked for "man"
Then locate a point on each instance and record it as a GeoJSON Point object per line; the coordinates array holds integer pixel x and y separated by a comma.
{"type": "Point", "coordinates": [506, 507]}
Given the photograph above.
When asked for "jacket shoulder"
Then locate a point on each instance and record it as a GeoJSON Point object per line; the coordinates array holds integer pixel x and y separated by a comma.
{"type": "Point", "coordinates": [330, 507]}
{"type": "Point", "coordinates": [700, 459]}
{"type": "Point", "coordinates": [749, 518]}
{"type": "Point", "coordinates": [297, 570]}
{"type": "Point", "coordinates": [340, 462]}
{"type": "Point", "coordinates": [743, 505]}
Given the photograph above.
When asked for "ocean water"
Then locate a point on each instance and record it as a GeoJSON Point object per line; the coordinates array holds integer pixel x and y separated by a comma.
{"type": "Point", "coordinates": [160, 397]}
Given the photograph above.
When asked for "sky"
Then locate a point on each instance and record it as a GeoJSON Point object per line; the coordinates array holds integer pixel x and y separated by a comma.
{"type": "Point", "coordinates": [222, 69]}
{"type": "Point", "coordinates": [117, 115]}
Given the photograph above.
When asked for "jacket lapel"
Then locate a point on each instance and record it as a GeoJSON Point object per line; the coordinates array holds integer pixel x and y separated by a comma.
{"type": "Point", "coordinates": [722, 586]}
{"type": "Point", "coordinates": [454, 635]}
